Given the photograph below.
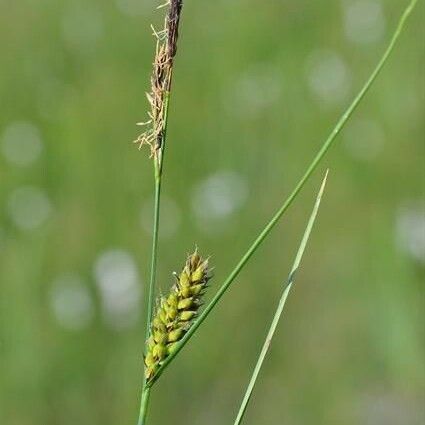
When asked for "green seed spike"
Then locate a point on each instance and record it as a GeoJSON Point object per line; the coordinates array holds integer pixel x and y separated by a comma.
{"type": "Point", "coordinates": [175, 312]}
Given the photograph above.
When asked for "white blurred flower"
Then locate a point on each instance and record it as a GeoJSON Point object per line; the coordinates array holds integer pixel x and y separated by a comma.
{"type": "Point", "coordinates": [328, 76]}
{"type": "Point", "coordinates": [257, 88]}
{"type": "Point", "coordinates": [118, 282]}
{"type": "Point", "coordinates": [386, 408]}
{"type": "Point", "coordinates": [218, 197]}
{"type": "Point", "coordinates": [410, 230]}
{"type": "Point", "coordinates": [364, 21]}
{"type": "Point", "coordinates": [29, 207]}
{"type": "Point", "coordinates": [71, 302]}
{"type": "Point", "coordinates": [21, 143]}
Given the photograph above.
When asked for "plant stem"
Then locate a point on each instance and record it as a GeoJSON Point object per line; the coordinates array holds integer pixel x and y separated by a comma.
{"type": "Point", "coordinates": [144, 406]}
{"type": "Point", "coordinates": [288, 202]}
{"type": "Point", "coordinates": [159, 99]}
{"type": "Point", "coordinates": [158, 163]}
{"type": "Point", "coordinates": [280, 306]}
{"type": "Point", "coordinates": [154, 255]}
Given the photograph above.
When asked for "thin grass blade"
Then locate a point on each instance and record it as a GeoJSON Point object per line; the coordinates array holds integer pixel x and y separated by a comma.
{"type": "Point", "coordinates": [280, 306]}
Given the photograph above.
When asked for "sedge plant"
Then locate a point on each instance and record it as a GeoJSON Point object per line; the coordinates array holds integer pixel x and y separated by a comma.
{"type": "Point", "coordinates": [176, 316]}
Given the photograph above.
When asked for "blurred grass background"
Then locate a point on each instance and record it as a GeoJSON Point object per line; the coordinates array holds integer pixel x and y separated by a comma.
{"type": "Point", "coordinates": [256, 90]}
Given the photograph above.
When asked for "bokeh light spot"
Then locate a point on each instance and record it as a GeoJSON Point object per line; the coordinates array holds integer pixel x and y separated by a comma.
{"type": "Point", "coordinates": [118, 283]}
{"type": "Point", "coordinates": [21, 143]}
{"type": "Point", "coordinates": [29, 207]}
{"type": "Point", "coordinates": [71, 302]}
{"type": "Point", "coordinates": [410, 230]}
{"type": "Point", "coordinates": [328, 77]}
{"type": "Point", "coordinates": [217, 198]}
{"type": "Point", "coordinates": [364, 21]}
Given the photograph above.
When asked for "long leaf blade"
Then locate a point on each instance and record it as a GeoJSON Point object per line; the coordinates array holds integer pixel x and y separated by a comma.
{"type": "Point", "coordinates": [281, 305]}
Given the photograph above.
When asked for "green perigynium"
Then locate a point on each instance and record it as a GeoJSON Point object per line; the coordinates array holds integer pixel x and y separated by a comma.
{"type": "Point", "coordinates": [175, 312]}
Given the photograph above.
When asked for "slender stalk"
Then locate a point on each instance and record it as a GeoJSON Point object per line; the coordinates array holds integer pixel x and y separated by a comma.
{"type": "Point", "coordinates": [144, 406]}
{"type": "Point", "coordinates": [154, 254]}
{"type": "Point", "coordinates": [281, 305]}
{"type": "Point", "coordinates": [288, 202]}
{"type": "Point", "coordinates": [158, 163]}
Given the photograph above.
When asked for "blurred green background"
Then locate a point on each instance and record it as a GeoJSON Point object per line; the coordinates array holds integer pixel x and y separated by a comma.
{"type": "Point", "coordinates": [258, 86]}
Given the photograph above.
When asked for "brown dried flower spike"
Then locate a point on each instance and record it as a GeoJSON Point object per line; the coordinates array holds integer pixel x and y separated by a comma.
{"type": "Point", "coordinates": [175, 313]}
{"type": "Point", "coordinates": [166, 48]}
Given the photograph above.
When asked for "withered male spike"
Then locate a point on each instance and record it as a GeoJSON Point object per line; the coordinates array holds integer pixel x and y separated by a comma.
{"type": "Point", "coordinates": [166, 48]}
{"type": "Point", "coordinates": [173, 19]}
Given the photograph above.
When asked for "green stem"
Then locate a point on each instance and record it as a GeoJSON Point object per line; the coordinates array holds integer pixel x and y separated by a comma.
{"type": "Point", "coordinates": [281, 305]}
{"type": "Point", "coordinates": [154, 256]}
{"type": "Point", "coordinates": [310, 169]}
{"type": "Point", "coordinates": [158, 163]}
{"type": "Point", "coordinates": [144, 406]}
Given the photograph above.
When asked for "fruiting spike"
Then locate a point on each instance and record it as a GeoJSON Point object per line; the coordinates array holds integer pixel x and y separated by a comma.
{"type": "Point", "coordinates": [175, 312]}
